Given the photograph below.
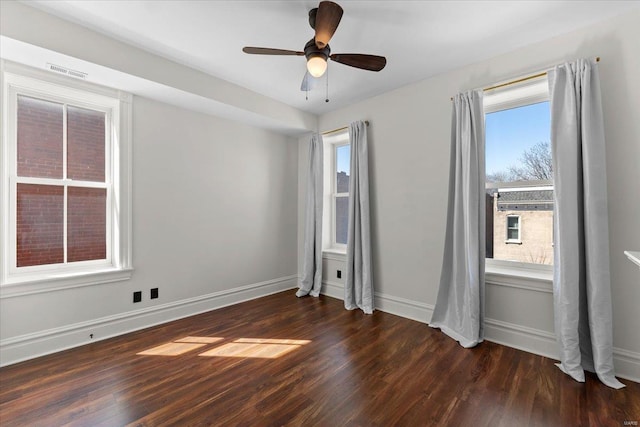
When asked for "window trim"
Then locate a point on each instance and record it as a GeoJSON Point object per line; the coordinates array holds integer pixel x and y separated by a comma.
{"type": "Point", "coordinates": [15, 180]}
{"type": "Point", "coordinates": [330, 146]}
{"type": "Point", "coordinates": [529, 92]}
{"type": "Point", "coordinates": [17, 80]}
{"type": "Point", "coordinates": [335, 195]}
{"type": "Point", "coordinates": [527, 275]}
{"type": "Point", "coordinates": [532, 277]}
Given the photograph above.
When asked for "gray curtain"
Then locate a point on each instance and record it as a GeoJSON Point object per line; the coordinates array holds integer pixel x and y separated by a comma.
{"type": "Point", "coordinates": [311, 279]}
{"type": "Point", "coordinates": [358, 290]}
{"type": "Point", "coordinates": [459, 309]}
{"type": "Point", "coordinates": [581, 283]}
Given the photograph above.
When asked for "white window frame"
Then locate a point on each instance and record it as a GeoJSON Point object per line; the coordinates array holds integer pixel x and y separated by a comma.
{"type": "Point", "coordinates": [513, 273]}
{"type": "Point", "coordinates": [331, 143]}
{"type": "Point", "coordinates": [518, 240]}
{"type": "Point", "coordinates": [19, 80]}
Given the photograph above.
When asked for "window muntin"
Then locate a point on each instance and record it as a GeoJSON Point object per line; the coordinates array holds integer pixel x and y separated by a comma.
{"type": "Point", "coordinates": [519, 179]}
{"type": "Point", "coordinates": [66, 210]}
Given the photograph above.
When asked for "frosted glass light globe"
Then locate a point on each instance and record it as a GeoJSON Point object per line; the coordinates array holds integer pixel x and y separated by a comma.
{"type": "Point", "coordinates": [316, 65]}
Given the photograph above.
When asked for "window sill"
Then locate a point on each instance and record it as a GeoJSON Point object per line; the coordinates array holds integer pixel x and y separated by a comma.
{"type": "Point", "coordinates": [334, 254]}
{"type": "Point", "coordinates": [530, 278]}
{"type": "Point", "coordinates": [24, 286]}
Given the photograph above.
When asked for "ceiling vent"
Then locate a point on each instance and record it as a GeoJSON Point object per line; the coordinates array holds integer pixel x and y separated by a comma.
{"type": "Point", "coordinates": [66, 71]}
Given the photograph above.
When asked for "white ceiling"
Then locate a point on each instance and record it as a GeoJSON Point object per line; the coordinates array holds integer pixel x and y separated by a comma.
{"type": "Point", "coordinates": [419, 38]}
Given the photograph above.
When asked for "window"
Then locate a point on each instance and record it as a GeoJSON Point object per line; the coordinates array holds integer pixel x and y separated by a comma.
{"type": "Point", "coordinates": [65, 179]}
{"type": "Point", "coordinates": [337, 163]}
{"type": "Point", "coordinates": [519, 186]}
{"type": "Point", "coordinates": [513, 229]}
{"type": "Point", "coordinates": [341, 193]}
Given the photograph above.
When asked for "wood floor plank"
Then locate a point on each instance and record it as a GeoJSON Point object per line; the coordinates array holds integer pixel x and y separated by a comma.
{"type": "Point", "coordinates": [355, 370]}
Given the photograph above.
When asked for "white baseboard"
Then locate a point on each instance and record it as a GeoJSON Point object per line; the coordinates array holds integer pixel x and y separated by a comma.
{"type": "Point", "coordinates": [543, 343]}
{"type": "Point", "coordinates": [389, 304]}
{"type": "Point", "coordinates": [29, 346]}
{"type": "Point", "coordinates": [332, 289]}
{"type": "Point", "coordinates": [531, 340]}
{"type": "Point", "coordinates": [627, 364]}
{"type": "Point", "coordinates": [521, 337]}
{"type": "Point", "coordinates": [417, 311]}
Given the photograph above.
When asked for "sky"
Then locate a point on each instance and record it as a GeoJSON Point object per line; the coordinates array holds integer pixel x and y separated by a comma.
{"type": "Point", "coordinates": [508, 133]}
{"type": "Point", "coordinates": [343, 158]}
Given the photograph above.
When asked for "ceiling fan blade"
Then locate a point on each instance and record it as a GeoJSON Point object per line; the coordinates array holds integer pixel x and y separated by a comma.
{"type": "Point", "coordinates": [358, 60]}
{"type": "Point", "coordinates": [269, 51]}
{"type": "Point", "coordinates": [327, 20]}
{"type": "Point", "coordinates": [308, 82]}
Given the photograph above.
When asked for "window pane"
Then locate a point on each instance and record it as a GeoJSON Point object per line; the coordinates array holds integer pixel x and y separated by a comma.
{"type": "Point", "coordinates": [342, 219]}
{"type": "Point", "coordinates": [519, 182]}
{"type": "Point", "coordinates": [512, 234]}
{"type": "Point", "coordinates": [85, 144]}
{"type": "Point", "coordinates": [39, 138]}
{"type": "Point", "coordinates": [343, 165]}
{"type": "Point", "coordinates": [39, 228]}
{"type": "Point", "coordinates": [86, 224]}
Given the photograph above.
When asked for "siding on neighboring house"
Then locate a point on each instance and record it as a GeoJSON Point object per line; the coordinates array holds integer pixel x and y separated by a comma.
{"type": "Point", "coordinates": [535, 209]}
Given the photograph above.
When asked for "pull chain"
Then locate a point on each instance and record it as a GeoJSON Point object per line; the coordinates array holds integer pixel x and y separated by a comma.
{"type": "Point", "coordinates": [327, 98]}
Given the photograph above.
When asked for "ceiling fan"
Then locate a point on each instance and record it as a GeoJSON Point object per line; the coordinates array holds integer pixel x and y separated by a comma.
{"type": "Point", "coordinates": [324, 20]}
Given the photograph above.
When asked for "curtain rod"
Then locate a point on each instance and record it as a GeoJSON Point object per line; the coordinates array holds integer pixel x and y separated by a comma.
{"type": "Point", "coordinates": [520, 80]}
{"type": "Point", "coordinates": [339, 129]}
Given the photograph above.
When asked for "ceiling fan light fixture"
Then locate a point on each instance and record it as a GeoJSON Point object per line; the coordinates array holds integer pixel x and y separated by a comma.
{"type": "Point", "coordinates": [324, 20]}
{"type": "Point", "coordinates": [317, 64]}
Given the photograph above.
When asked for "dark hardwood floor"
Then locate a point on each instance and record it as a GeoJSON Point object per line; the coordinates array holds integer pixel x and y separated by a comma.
{"type": "Point", "coordinates": [356, 370]}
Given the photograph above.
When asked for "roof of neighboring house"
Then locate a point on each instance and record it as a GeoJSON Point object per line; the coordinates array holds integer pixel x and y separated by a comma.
{"type": "Point", "coordinates": [528, 195]}
{"type": "Point", "coordinates": [525, 200]}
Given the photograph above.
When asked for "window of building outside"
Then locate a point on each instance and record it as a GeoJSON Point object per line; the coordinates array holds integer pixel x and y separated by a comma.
{"type": "Point", "coordinates": [337, 163]}
{"type": "Point", "coordinates": [519, 181]}
{"type": "Point", "coordinates": [62, 193]}
{"type": "Point", "coordinates": [513, 229]}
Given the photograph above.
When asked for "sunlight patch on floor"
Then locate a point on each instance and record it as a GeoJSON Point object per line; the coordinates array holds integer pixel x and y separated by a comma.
{"type": "Point", "coordinates": [180, 346]}
{"type": "Point", "coordinates": [252, 348]}
{"type": "Point", "coordinates": [267, 348]}
{"type": "Point", "coordinates": [171, 349]}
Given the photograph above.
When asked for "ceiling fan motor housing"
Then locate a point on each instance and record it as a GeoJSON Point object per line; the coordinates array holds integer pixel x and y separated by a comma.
{"type": "Point", "coordinates": [311, 50]}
